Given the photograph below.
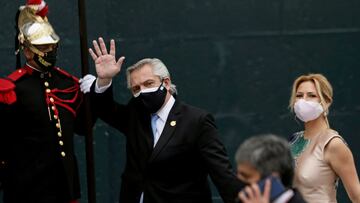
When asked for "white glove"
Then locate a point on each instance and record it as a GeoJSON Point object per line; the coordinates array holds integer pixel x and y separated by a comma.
{"type": "Point", "coordinates": [86, 82]}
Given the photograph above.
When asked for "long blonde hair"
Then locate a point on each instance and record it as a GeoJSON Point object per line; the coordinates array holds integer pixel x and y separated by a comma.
{"type": "Point", "coordinates": [323, 88]}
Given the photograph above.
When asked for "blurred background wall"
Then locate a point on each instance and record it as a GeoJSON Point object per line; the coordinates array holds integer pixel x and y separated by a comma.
{"type": "Point", "coordinates": [234, 58]}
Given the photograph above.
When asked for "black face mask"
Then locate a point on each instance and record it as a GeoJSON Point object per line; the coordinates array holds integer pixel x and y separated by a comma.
{"type": "Point", "coordinates": [46, 62]}
{"type": "Point", "coordinates": [153, 101]}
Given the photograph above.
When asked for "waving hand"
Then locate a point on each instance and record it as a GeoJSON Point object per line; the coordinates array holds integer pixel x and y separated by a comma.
{"type": "Point", "coordinates": [106, 65]}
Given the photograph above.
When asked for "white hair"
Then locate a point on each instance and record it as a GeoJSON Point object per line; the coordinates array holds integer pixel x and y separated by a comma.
{"type": "Point", "coordinates": [158, 68]}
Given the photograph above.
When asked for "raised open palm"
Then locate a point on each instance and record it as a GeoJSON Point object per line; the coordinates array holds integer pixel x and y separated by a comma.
{"type": "Point", "coordinates": [106, 65]}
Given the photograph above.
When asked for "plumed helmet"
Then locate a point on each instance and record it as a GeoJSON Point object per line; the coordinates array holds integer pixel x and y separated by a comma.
{"type": "Point", "coordinates": [34, 27]}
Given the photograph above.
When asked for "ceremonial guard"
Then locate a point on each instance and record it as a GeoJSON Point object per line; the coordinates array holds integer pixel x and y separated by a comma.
{"type": "Point", "coordinates": [40, 110]}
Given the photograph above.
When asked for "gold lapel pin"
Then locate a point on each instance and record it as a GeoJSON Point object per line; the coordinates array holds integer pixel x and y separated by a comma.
{"type": "Point", "coordinates": [173, 123]}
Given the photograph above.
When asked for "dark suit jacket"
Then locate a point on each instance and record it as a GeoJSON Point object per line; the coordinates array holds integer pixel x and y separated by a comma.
{"type": "Point", "coordinates": [177, 169]}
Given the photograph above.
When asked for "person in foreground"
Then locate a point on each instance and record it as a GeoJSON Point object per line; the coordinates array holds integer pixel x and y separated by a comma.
{"type": "Point", "coordinates": [320, 153]}
{"type": "Point", "coordinates": [40, 108]}
{"type": "Point", "coordinates": [266, 157]}
{"type": "Point", "coordinates": [171, 147]}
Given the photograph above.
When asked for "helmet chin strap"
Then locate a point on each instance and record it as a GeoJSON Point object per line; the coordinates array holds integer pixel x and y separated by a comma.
{"type": "Point", "coordinates": [35, 50]}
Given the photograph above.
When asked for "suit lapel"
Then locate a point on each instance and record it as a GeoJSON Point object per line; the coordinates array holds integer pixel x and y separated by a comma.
{"type": "Point", "coordinates": [168, 131]}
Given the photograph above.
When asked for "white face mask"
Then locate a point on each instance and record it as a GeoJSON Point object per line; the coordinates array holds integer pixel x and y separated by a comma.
{"type": "Point", "coordinates": [147, 90]}
{"type": "Point", "coordinates": [307, 110]}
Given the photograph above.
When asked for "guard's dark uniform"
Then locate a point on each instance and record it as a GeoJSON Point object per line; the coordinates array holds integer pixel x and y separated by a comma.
{"type": "Point", "coordinates": [39, 114]}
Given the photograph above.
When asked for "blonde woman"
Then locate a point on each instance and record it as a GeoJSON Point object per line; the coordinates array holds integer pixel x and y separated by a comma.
{"type": "Point", "coordinates": [321, 155]}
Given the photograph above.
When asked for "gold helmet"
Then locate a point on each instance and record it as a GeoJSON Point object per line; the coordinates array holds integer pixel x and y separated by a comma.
{"type": "Point", "coordinates": [34, 27]}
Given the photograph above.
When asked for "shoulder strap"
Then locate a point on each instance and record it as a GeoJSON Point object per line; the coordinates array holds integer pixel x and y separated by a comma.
{"type": "Point", "coordinates": [16, 75]}
{"type": "Point", "coordinates": [7, 86]}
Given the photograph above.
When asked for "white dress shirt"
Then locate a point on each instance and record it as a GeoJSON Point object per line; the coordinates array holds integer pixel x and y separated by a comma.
{"type": "Point", "coordinates": [163, 114]}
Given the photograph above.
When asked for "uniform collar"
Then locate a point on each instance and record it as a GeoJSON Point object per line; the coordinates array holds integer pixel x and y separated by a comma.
{"type": "Point", "coordinates": [32, 70]}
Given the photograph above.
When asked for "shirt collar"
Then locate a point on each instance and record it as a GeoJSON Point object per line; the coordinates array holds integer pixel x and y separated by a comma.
{"type": "Point", "coordinates": [164, 112]}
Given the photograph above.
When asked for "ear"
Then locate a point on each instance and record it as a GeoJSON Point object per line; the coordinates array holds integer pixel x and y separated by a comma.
{"type": "Point", "coordinates": [167, 83]}
{"type": "Point", "coordinates": [326, 109]}
{"type": "Point", "coordinates": [28, 54]}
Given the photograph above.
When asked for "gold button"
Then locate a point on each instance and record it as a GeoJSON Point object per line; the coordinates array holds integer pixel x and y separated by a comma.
{"type": "Point", "coordinates": [3, 162]}
{"type": "Point", "coordinates": [53, 108]}
{"type": "Point", "coordinates": [63, 154]}
{"type": "Point", "coordinates": [61, 143]}
{"type": "Point", "coordinates": [46, 84]}
{"type": "Point", "coordinates": [58, 125]}
{"type": "Point", "coordinates": [59, 134]}
{"type": "Point", "coordinates": [48, 90]}
{"type": "Point", "coordinates": [55, 117]}
{"type": "Point", "coordinates": [52, 100]}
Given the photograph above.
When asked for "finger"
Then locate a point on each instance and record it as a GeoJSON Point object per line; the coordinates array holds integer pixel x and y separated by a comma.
{"type": "Point", "coordinates": [249, 192]}
{"type": "Point", "coordinates": [243, 197]}
{"type": "Point", "coordinates": [93, 55]}
{"type": "Point", "coordinates": [97, 48]}
{"type": "Point", "coordinates": [85, 86]}
{"type": "Point", "coordinates": [86, 90]}
{"type": "Point", "coordinates": [88, 77]}
{"type": "Point", "coordinates": [255, 188]}
{"type": "Point", "coordinates": [267, 189]}
{"type": "Point", "coordinates": [120, 61]}
{"type": "Point", "coordinates": [112, 47]}
{"type": "Point", "coordinates": [103, 46]}
{"type": "Point", "coordinates": [82, 88]}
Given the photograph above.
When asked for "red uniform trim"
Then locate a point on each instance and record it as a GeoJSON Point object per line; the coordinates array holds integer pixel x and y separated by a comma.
{"type": "Point", "coordinates": [7, 86]}
{"type": "Point", "coordinates": [17, 74]}
{"type": "Point", "coordinates": [67, 74]}
{"type": "Point", "coordinates": [7, 93]}
{"type": "Point", "coordinates": [65, 103]}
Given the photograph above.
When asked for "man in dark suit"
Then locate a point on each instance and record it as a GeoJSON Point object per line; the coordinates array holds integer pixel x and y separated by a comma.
{"type": "Point", "coordinates": [265, 156]}
{"type": "Point", "coordinates": [171, 147]}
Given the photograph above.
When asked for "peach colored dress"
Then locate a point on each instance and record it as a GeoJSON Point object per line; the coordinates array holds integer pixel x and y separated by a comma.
{"type": "Point", "coordinates": [314, 178]}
